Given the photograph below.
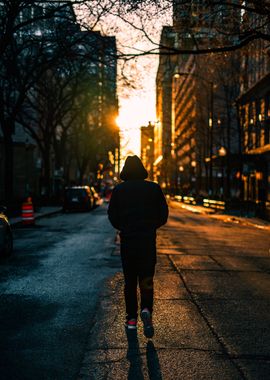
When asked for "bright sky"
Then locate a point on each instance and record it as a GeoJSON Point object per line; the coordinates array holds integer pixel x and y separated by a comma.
{"type": "Point", "coordinates": [136, 95]}
{"type": "Point", "coordinates": [135, 111]}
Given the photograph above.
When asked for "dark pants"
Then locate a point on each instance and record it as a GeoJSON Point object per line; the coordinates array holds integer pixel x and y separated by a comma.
{"type": "Point", "coordinates": [138, 262]}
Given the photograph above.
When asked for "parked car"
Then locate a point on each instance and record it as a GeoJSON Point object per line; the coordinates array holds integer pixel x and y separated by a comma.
{"type": "Point", "coordinates": [78, 198]}
{"type": "Point", "coordinates": [6, 239]}
{"type": "Point", "coordinates": [97, 199]}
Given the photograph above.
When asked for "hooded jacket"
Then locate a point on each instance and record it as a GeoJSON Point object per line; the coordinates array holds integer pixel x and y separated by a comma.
{"type": "Point", "coordinates": [137, 207]}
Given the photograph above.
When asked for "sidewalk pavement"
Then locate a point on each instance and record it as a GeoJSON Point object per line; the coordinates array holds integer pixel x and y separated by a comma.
{"type": "Point", "coordinates": [188, 341]}
{"type": "Point", "coordinates": [40, 213]}
{"type": "Point", "coordinates": [255, 222]}
{"type": "Point", "coordinates": [183, 347]}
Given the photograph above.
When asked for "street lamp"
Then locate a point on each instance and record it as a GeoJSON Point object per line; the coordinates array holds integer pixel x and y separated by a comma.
{"type": "Point", "coordinates": [178, 74]}
{"type": "Point", "coordinates": [222, 151]}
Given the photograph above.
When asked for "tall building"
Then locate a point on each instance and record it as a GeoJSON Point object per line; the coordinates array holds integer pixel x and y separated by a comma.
{"type": "Point", "coordinates": [206, 141]}
{"type": "Point", "coordinates": [191, 105]}
{"type": "Point", "coordinates": [254, 119]}
{"type": "Point", "coordinates": [147, 149]}
{"type": "Point", "coordinates": [196, 97]}
{"type": "Point", "coordinates": [163, 127]}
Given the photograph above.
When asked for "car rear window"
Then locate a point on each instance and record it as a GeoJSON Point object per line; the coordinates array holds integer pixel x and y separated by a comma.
{"type": "Point", "coordinates": [75, 192]}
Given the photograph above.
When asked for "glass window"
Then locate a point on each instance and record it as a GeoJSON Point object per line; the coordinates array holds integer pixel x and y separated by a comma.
{"type": "Point", "coordinates": [262, 109]}
{"type": "Point", "coordinates": [262, 137]}
{"type": "Point", "coordinates": [246, 108]}
{"type": "Point", "coordinates": [246, 141]}
{"type": "Point", "coordinates": [253, 140]}
{"type": "Point", "coordinates": [267, 106]}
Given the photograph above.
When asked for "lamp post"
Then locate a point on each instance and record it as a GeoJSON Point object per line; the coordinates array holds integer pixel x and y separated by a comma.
{"type": "Point", "coordinates": [177, 74]}
{"type": "Point", "coordinates": [222, 152]}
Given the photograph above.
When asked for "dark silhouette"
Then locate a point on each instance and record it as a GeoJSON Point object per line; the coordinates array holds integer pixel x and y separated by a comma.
{"type": "Point", "coordinates": [154, 370]}
{"type": "Point", "coordinates": [137, 208]}
{"type": "Point", "coordinates": [135, 371]}
{"type": "Point", "coordinates": [134, 356]}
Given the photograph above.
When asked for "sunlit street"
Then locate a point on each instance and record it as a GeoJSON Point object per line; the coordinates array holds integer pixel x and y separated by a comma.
{"type": "Point", "coordinates": [62, 308]}
{"type": "Point", "coordinates": [212, 307]}
{"type": "Point", "coordinates": [134, 190]}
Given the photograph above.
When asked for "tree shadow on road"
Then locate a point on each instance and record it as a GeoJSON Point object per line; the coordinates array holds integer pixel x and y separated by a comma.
{"type": "Point", "coordinates": [134, 357]}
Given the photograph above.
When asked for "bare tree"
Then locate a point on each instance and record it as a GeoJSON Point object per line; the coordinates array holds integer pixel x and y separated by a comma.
{"type": "Point", "coordinates": [34, 36]}
{"type": "Point", "coordinates": [23, 60]}
{"type": "Point", "coordinates": [215, 26]}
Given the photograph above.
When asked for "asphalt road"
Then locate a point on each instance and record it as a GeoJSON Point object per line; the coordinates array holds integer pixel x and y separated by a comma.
{"type": "Point", "coordinates": [212, 308]}
{"type": "Point", "coordinates": [49, 291]}
{"type": "Point", "coordinates": [212, 311]}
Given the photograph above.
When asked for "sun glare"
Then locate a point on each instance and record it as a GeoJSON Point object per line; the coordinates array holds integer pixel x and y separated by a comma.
{"type": "Point", "coordinates": [134, 113]}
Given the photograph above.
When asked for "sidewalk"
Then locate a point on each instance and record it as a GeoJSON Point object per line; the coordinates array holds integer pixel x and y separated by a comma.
{"type": "Point", "coordinates": [41, 212]}
{"type": "Point", "coordinates": [184, 346]}
{"type": "Point", "coordinates": [211, 313]}
{"type": "Point", "coordinates": [255, 222]}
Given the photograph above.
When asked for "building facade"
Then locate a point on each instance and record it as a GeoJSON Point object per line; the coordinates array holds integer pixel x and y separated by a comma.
{"type": "Point", "coordinates": [147, 148]}
{"type": "Point", "coordinates": [254, 121]}
{"type": "Point", "coordinates": [199, 104]}
{"type": "Point", "coordinates": [163, 165]}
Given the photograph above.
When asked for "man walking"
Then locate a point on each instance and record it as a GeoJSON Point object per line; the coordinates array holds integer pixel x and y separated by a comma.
{"type": "Point", "coordinates": [137, 209]}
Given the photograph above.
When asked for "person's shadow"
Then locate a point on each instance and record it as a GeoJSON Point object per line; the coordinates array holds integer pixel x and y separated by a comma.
{"type": "Point", "coordinates": [134, 357]}
{"type": "Point", "coordinates": [153, 365]}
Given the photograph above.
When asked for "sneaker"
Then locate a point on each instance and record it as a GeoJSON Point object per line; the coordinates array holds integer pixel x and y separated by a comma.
{"type": "Point", "coordinates": [131, 324]}
{"type": "Point", "coordinates": [148, 328]}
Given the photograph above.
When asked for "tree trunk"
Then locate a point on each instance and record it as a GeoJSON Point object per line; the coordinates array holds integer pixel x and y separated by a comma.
{"type": "Point", "coordinates": [8, 167]}
{"type": "Point", "coordinates": [46, 173]}
{"type": "Point", "coordinates": [8, 127]}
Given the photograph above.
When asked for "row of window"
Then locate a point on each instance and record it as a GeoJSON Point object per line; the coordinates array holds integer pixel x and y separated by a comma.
{"type": "Point", "coordinates": [255, 121]}
{"type": "Point", "coordinates": [255, 112]}
{"type": "Point", "coordinates": [257, 137]}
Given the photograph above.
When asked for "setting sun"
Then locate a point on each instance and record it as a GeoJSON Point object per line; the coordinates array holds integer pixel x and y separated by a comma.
{"type": "Point", "coordinates": [134, 113]}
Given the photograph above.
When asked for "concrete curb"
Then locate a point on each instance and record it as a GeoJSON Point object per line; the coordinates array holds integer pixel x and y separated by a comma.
{"type": "Point", "coordinates": [254, 222]}
{"type": "Point", "coordinates": [37, 215]}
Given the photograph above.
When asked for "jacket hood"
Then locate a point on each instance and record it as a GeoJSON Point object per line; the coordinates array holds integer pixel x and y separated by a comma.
{"type": "Point", "coordinates": [133, 169]}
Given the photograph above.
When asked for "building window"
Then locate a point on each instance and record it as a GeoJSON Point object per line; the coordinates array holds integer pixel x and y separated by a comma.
{"type": "Point", "coordinates": [262, 135]}
{"type": "Point", "coordinates": [246, 115]}
{"type": "Point", "coordinates": [253, 140]}
{"type": "Point", "coordinates": [267, 107]}
{"type": "Point", "coordinates": [246, 141]}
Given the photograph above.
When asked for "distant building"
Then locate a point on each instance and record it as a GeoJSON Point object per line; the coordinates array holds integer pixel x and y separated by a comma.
{"type": "Point", "coordinates": [101, 108]}
{"type": "Point", "coordinates": [147, 148]}
{"type": "Point", "coordinates": [194, 106]}
{"type": "Point", "coordinates": [191, 112]}
{"type": "Point", "coordinates": [163, 127]}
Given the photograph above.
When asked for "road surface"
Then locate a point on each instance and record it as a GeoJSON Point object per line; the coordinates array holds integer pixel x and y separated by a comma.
{"type": "Point", "coordinates": [49, 291]}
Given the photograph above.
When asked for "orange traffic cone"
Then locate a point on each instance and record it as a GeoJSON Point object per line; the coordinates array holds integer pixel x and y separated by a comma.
{"type": "Point", "coordinates": [28, 217]}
